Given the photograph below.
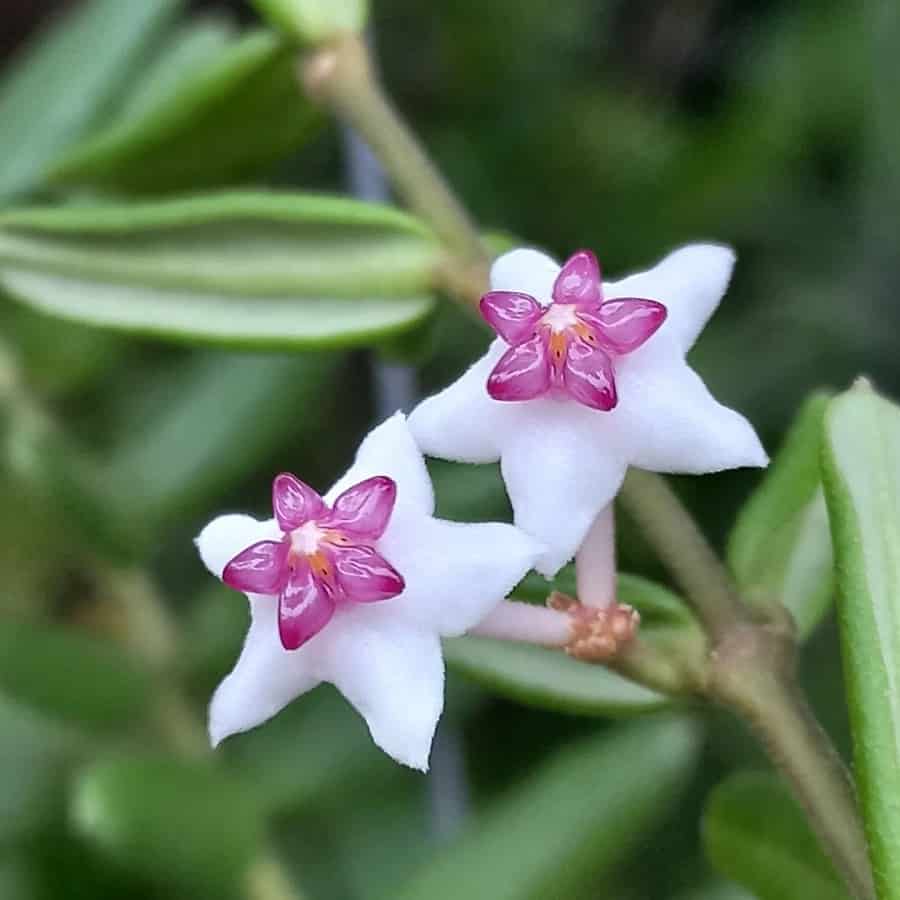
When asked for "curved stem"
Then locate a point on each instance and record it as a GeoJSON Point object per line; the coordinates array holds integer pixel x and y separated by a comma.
{"type": "Point", "coordinates": [341, 77]}
{"type": "Point", "coordinates": [681, 546]}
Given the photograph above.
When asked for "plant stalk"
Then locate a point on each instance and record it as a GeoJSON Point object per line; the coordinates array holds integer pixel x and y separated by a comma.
{"type": "Point", "coordinates": [341, 77]}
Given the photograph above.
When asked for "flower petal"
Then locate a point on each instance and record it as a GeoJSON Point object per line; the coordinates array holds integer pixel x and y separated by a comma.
{"type": "Point", "coordinates": [463, 422]}
{"type": "Point", "coordinates": [390, 450]}
{"type": "Point", "coordinates": [589, 376]}
{"type": "Point", "coordinates": [511, 314]}
{"type": "Point", "coordinates": [365, 508]}
{"type": "Point", "coordinates": [689, 282]}
{"type": "Point", "coordinates": [561, 468]}
{"type": "Point", "coordinates": [667, 421]}
{"type": "Point", "coordinates": [526, 270]}
{"type": "Point", "coordinates": [623, 325]}
{"type": "Point", "coordinates": [522, 373]}
{"type": "Point", "coordinates": [304, 607]}
{"type": "Point", "coordinates": [392, 673]}
{"type": "Point", "coordinates": [226, 536]}
{"type": "Point", "coordinates": [294, 502]}
{"type": "Point", "coordinates": [456, 573]}
{"type": "Point", "coordinates": [579, 280]}
{"type": "Point", "coordinates": [364, 575]}
{"type": "Point", "coordinates": [259, 569]}
{"type": "Point", "coordinates": [265, 679]}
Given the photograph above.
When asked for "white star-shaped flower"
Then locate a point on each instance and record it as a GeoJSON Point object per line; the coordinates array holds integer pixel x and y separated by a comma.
{"type": "Point", "coordinates": [585, 380]}
{"type": "Point", "coordinates": [357, 589]}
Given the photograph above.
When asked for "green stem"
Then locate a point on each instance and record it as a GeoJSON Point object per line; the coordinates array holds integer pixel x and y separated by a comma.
{"type": "Point", "coordinates": [681, 546]}
{"type": "Point", "coordinates": [778, 713]}
{"type": "Point", "coordinates": [341, 77]}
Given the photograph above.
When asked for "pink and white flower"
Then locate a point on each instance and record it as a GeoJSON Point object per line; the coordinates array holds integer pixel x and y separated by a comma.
{"type": "Point", "coordinates": [585, 379]}
{"type": "Point", "coordinates": [356, 588]}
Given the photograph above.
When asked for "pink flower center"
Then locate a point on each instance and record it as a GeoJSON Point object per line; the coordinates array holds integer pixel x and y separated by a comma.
{"type": "Point", "coordinates": [326, 555]}
{"type": "Point", "coordinates": [571, 346]}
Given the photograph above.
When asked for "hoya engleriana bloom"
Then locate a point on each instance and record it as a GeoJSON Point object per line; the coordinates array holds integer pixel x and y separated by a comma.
{"type": "Point", "coordinates": [586, 379]}
{"type": "Point", "coordinates": [364, 583]}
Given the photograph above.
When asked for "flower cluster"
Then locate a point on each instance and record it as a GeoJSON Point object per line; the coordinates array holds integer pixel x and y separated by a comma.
{"type": "Point", "coordinates": [358, 587]}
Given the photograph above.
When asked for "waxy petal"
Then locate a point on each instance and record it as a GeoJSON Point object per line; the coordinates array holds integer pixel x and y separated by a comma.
{"type": "Point", "coordinates": [305, 607]}
{"type": "Point", "coordinates": [365, 508]}
{"type": "Point", "coordinates": [522, 373]}
{"type": "Point", "coordinates": [579, 281]}
{"type": "Point", "coordinates": [456, 573]}
{"type": "Point", "coordinates": [226, 536]}
{"type": "Point", "coordinates": [390, 450]}
{"type": "Point", "coordinates": [294, 502]}
{"type": "Point", "coordinates": [525, 270]}
{"type": "Point", "coordinates": [689, 282]}
{"type": "Point", "coordinates": [560, 469]}
{"type": "Point", "coordinates": [261, 568]}
{"type": "Point", "coordinates": [624, 325]}
{"type": "Point", "coordinates": [589, 377]}
{"type": "Point", "coordinates": [392, 673]}
{"type": "Point", "coordinates": [265, 679]}
{"type": "Point", "coordinates": [667, 421]}
{"type": "Point", "coordinates": [463, 422]}
{"type": "Point", "coordinates": [364, 575]}
{"type": "Point", "coordinates": [511, 314]}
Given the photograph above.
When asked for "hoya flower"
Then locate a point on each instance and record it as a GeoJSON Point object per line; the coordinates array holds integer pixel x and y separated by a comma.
{"type": "Point", "coordinates": [356, 588]}
{"type": "Point", "coordinates": [585, 379]}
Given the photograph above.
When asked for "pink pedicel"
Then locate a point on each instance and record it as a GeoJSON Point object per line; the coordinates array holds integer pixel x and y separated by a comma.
{"type": "Point", "coordinates": [325, 557]}
{"type": "Point", "coordinates": [572, 344]}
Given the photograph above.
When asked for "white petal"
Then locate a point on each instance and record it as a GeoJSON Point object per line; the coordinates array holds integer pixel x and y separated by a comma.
{"type": "Point", "coordinates": [667, 421]}
{"type": "Point", "coordinates": [525, 270]}
{"type": "Point", "coordinates": [463, 422]}
{"type": "Point", "coordinates": [690, 282]}
{"type": "Point", "coordinates": [266, 677]}
{"type": "Point", "coordinates": [561, 468]}
{"type": "Point", "coordinates": [392, 673]}
{"type": "Point", "coordinates": [455, 573]}
{"type": "Point", "coordinates": [226, 536]}
{"type": "Point", "coordinates": [390, 449]}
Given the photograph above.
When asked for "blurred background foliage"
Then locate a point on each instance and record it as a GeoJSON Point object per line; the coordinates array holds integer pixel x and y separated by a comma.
{"type": "Point", "coordinates": [628, 127]}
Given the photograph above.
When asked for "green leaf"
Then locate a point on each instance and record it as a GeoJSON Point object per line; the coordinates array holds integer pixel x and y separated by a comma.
{"type": "Point", "coordinates": [174, 462]}
{"type": "Point", "coordinates": [215, 120]}
{"type": "Point", "coordinates": [59, 85]}
{"type": "Point", "coordinates": [862, 487]}
{"type": "Point", "coordinates": [755, 833]}
{"type": "Point", "coordinates": [315, 21]}
{"type": "Point", "coordinates": [548, 678]}
{"type": "Point", "coordinates": [780, 548]}
{"type": "Point", "coordinates": [239, 268]}
{"type": "Point", "coordinates": [572, 819]}
{"type": "Point", "coordinates": [71, 676]}
{"type": "Point", "coordinates": [178, 824]}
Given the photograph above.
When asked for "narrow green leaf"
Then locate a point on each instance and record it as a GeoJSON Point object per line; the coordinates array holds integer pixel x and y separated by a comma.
{"type": "Point", "coordinates": [862, 487]}
{"type": "Point", "coordinates": [175, 462]}
{"type": "Point", "coordinates": [214, 120]}
{"type": "Point", "coordinates": [71, 676]}
{"type": "Point", "coordinates": [548, 678]}
{"type": "Point", "coordinates": [755, 833]}
{"type": "Point", "coordinates": [570, 821]}
{"type": "Point", "coordinates": [59, 85]}
{"type": "Point", "coordinates": [178, 824]}
{"type": "Point", "coordinates": [240, 268]}
{"type": "Point", "coordinates": [780, 548]}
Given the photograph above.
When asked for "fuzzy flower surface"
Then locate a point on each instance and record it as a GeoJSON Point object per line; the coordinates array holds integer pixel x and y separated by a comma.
{"type": "Point", "coordinates": [357, 588]}
{"type": "Point", "coordinates": [585, 379]}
